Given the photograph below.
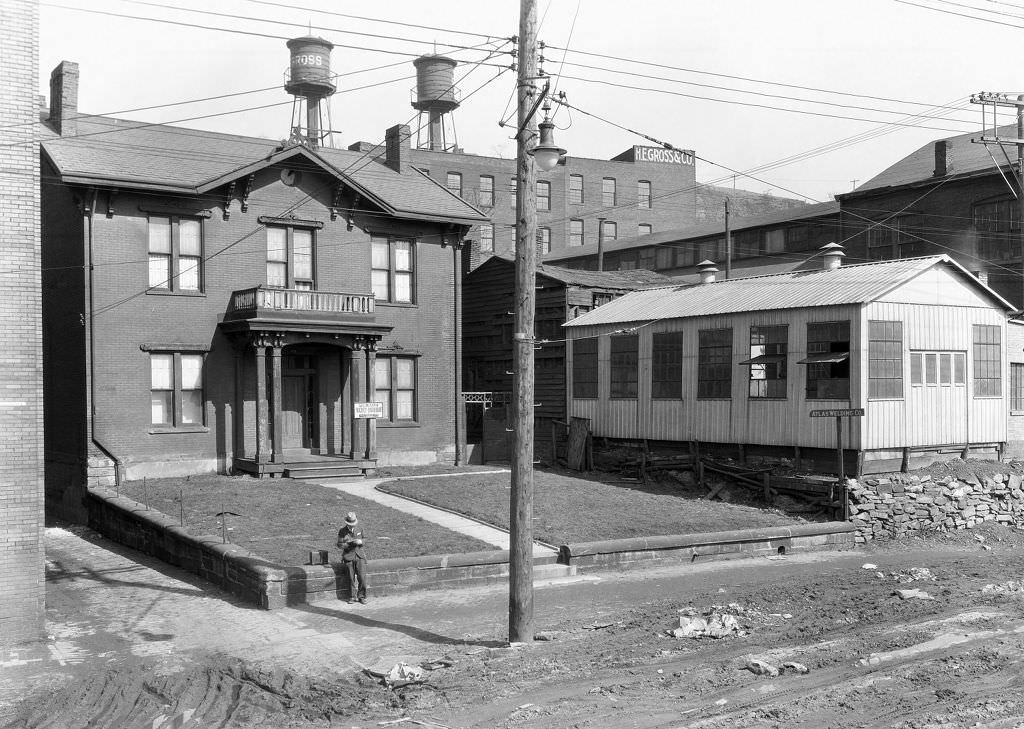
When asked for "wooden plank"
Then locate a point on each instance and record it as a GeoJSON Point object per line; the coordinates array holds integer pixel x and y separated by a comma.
{"type": "Point", "coordinates": [576, 448]}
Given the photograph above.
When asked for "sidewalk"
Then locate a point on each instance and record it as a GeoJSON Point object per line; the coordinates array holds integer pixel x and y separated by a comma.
{"type": "Point", "coordinates": [367, 489]}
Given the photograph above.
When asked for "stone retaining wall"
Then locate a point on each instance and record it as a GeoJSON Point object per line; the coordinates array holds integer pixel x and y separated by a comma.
{"type": "Point", "coordinates": [904, 503]}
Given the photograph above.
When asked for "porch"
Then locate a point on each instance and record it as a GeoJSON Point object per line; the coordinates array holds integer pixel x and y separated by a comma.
{"type": "Point", "coordinates": [309, 466]}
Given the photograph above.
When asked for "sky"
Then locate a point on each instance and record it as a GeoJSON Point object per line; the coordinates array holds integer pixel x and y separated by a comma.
{"type": "Point", "coordinates": [806, 98]}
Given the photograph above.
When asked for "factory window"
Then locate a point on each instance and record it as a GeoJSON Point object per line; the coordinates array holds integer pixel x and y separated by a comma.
{"type": "Point", "coordinates": [544, 240]}
{"type": "Point", "coordinates": [768, 361]}
{"type": "Point", "coordinates": [667, 365]}
{"type": "Point", "coordinates": [290, 258]}
{"type": "Point", "coordinates": [454, 183]}
{"type": "Point", "coordinates": [686, 255]}
{"type": "Point", "coordinates": [938, 369]}
{"type": "Point", "coordinates": [584, 368]}
{"type": "Point", "coordinates": [714, 360]}
{"type": "Point", "coordinates": [663, 258]}
{"type": "Point", "coordinates": [394, 385]}
{"type": "Point", "coordinates": [625, 356]}
{"type": "Point", "coordinates": [176, 389]}
{"type": "Point", "coordinates": [610, 230]}
{"type": "Point", "coordinates": [513, 188]}
{"type": "Point", "coordinates": [711, 250]}
{"type": "Point", "coordinates": [175, 253]}
{"type": "Point", "coordinates": [998, 226]}
{"type": "Point", "coordinates": [486, 191]}
{"type": "Point", "coordinates": [746, 244]}
{"type": "Point", "coordinates": [608, 192]}
{"type": "Point", "coordinates": [828, 360]}
{"type": "Point", "coordinates": [885, 360]}
{"type": "Point", "coordinates": [893, 238]}
{"type": "Point", "coordinates": [392, 269]}
{"type": "Point", "coordinates": [987, 361]}
{"type": "Point", "coordinates": [486, 237]}
{"type": "Point", "coordinates": [575, 233]}
{"type": "Point", "coordinates": [644, 229]}
{"type": "Point", "coordinates": [543, 195]}
{"type": "Point", "coordinates": [1016, 386]}
{"type": "Point", "coordinates": [575, 189]}
{"type": "Point", "coordinates": [774, 241]}
{"type": "Point", "coordinates": [643, 194]}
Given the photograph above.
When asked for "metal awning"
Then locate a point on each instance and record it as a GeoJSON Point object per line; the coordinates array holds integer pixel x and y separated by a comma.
{"type": "Point", "coordinates": [825, 358]}
{"type": "Point", "coordinates": [764, 359]}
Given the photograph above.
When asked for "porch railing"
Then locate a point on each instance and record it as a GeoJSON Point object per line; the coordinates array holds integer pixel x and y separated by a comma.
{"type": "Point", "coordinates": [252, 301]}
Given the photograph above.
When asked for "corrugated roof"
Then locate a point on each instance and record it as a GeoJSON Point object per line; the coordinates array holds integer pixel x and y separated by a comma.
{"type": "Point", "coordinates": [623, 280]}
{"type": "Point", "coordinates": [962, 158]}
{"type": "Point", "coordinates": [857, 284]}
{"type": "Point", "coordinates": [156, 156]}
{"type": "Point", "coordinates": [702, 230]}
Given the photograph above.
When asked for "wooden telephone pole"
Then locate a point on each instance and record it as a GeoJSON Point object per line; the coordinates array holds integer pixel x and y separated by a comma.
{"type": "Point", "coordinates": [520, 579]}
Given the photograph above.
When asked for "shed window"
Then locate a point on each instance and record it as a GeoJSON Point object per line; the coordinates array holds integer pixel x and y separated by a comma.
{"type": "Point", "coordinates": [938, 369]}
{"type": "Point", "coordinates": [1016, 386]}
{"type": "Point", "coordinates": [667, 365]}
{"type": "Point", "coordinates": [987, 361]}
{"type": "Point", "coordinates": [828, 360]}
{"type": "Point", "coordinates": [714, 357]}
{"type": "Point", "coordinates": [584, 368]}
{"type": "Point", "coordinates": [768, 361]}
{"type": "Point", "coordinates": [625, 351]}
{"type": "Point", "coordinates": [885, 360]}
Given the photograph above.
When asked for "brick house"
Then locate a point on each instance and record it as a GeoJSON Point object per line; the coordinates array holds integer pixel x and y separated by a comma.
{"type": "Point", "coordinates": [215, 302]}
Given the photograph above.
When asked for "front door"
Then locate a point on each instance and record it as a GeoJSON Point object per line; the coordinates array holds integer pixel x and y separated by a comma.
{"type": "Point", "coordinates": [298, 403]}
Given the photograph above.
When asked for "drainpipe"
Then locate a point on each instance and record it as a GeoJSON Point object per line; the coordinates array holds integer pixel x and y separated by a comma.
{"type": "Point", "coordinates": [118, 466]}
{"type": "Point", "coordinates": [460, 425]}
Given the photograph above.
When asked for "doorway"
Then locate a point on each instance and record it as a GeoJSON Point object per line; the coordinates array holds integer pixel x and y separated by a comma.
{"type": "Point", "coordinates": [299, 399]}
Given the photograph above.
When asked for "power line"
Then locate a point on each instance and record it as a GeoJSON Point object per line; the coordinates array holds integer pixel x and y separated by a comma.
{"type": "Point", "coordinates": [960, 15]}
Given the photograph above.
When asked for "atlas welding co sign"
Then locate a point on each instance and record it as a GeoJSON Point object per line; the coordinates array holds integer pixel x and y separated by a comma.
{"type": "Point", "coordinates": [660, 154]}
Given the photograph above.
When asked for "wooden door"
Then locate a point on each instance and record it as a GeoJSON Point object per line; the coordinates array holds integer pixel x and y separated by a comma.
{"type": "Point", "coordinates": [294, 396]}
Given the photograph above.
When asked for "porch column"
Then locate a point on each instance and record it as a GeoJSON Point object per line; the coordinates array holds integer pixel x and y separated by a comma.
{"type": "Point", "coordinates": [237, 413]}
{"type": "Point", "coordinates": [371, 423]}
{"type": "Point", "coordinates": [275, 392]}
{"type": "Point", "coordinates": [353, 390]}
{"type": "Point", "coordinates": [262, 414]}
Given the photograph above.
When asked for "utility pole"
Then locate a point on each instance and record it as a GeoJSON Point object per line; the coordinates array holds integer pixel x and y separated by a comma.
{"type": "Point", "coordinates": [728, 242]}
{"type": "Point", "coordinates": [1020, 183]}
{"type": "Point", "coordinates": [520, 579]}
{"type": "Point", "coordinates": [600, 244]}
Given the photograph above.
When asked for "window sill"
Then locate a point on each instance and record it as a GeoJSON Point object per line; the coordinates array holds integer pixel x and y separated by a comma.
{"type": "Point", "coordinates": [395, 305]}
{"type": "Point", "coordinates": [167, 430]}
{"type": "Point", "coordinates": [767, 399]}
{"type": "Point", "coordinates": [400, 424]}
{"type": "Point", "coordinates": [714, 399]}
{"type": "Point", "coordinates": [167, 292]}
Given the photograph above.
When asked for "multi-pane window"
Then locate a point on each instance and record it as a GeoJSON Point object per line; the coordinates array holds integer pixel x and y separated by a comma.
{"type": "Point", "coordinates": [290, 257]}
{"type": "Point", "coordinates": [609, 230]}
{"type": "Point", "coordinates": [513, 188]}
{"type": "Point", "coordinates": [938, 368]}
{"type": "Point", "coordinates": [584, 368]}
{"type": "Point", "coordinates": [575, 189]}
{"type": "Point", "coordinates": [663, 258]}
{"type": "Point", "coordinates": [175, 253]}
{"type": "Point", "coordinates": [543, 195]}
{"type": "Point", "coordinates": [1016, 386]}
{"type": "Point", "coordinates": [608, 192]}
{"type": "Point", "coordinates": [625, 358]}
{"type": "Point", "coordinates": [998, 226]}
{"type": "Point", "coordinates": [894, 238]}
{"type": "Point", "coordinates": [176, 389]}
{"type": "Point", "coordinates": [486, 191]}
{"type": "Point", "coordinates": [768, 361]}
{"type": "Point", "coordinates": [575, 233]}
{"type": "Point", "coordinates": [746, 243]}
{"type": "Point", "coordinates": [714, 363]}
{"type": "Point", "coordinates": [454, 182]}
{"type": "Point", "coordinates": [667, 365]}
{"type": "Point", "coordinates": [774, 241]}
{"type": "Point", "coordinates": [644, 229]}
{"type": "Point", "coordinates": [987, 361]}
{"type": "Point", "coordinates": [544, 240]}
{"type": "Point", "coordinates": [885, 360]}
{"type": "Point", "coordinates": [643, 194]}
{"type": "Point", "coordinates": [828, 360]}
{"type": "Point", "coordinates": [392, 269]}
{"type": "Point", "coordinates": [394, 386]}
{"type": "Point", "coordinates": [486, 237]}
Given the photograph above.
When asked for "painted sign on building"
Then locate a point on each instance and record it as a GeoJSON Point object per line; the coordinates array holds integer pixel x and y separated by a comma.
{"type": "Point", "coordinates": [660, 154]}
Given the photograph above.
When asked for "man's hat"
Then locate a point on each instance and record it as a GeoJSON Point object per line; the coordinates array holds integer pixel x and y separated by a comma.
{"type": "Point", "coordinates": [350, 519]}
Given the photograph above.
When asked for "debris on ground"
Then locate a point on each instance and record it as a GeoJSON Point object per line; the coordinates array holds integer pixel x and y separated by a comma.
{"type": "Point", "coordinates": [914, 574]}
{"type": "Point", "coordinates": [402, 674]}
{"type": "Point", "coordinates": [761, 668]}
{"type": "Point", "coordinates": [914, 594]}
{"type": "Point", "coordinates": [869, 566]}
{"type": "Point", "coordinates": [1004, 588]}
{"type": "Point", "coordinates": [794, 667]}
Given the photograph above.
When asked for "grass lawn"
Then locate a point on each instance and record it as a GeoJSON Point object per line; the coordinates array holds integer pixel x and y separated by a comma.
{"type": "Point", "coordinates": [283, 520]}
{"type": "Point", "coordinates": [568, 509]}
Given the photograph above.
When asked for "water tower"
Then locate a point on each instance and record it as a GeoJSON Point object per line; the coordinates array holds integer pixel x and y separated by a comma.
{"type": "Point", "coordinates": [309, 80]}
{"type": "Point", "coordinates": [435, 95]}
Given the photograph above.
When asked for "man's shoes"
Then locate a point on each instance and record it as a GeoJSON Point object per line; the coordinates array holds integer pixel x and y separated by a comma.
{"type": "Point", "coordinates": [362, 600]}
{"type": "Point", "coordinates": [351, 600]}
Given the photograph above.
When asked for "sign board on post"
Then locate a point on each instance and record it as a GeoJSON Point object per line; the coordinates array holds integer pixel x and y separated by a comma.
{"type": "Point", "coordinates": [839, 414]}
{"type": "Point", "coordinates": [368, 410]}
{"type": "Point", "coordinates": [845, 413]}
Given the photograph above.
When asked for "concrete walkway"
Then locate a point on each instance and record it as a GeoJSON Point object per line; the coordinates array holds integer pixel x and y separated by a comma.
{"type": "Point", "coordinates": [367, 489]}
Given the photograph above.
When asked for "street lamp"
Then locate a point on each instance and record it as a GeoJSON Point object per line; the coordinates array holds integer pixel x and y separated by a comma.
{"type": "Point", "coordinates": [546, 153]}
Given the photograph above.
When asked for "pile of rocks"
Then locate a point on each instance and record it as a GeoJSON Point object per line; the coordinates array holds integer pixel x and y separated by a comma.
{"type": "Point", "coordinates": [904, 503]}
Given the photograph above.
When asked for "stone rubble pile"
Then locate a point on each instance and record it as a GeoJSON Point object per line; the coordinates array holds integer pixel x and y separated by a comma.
{"type": "Point", "coordinates": [904, 503]}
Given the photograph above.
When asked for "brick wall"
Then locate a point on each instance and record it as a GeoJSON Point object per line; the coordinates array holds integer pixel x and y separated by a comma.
{"type": "Point", "coordinates": [21, 414]}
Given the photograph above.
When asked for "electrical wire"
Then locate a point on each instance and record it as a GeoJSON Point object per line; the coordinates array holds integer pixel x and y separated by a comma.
{"type": "Point", "coordinates": [959, 15]}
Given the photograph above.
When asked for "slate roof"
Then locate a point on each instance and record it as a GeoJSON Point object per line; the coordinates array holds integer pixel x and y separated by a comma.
{"type": "Point", "coordinates": [115, 152]}
{"type": "Point", "coordinates": [964, 158]}
{"type": "Point", "coordinates": [856, 284]}
{"type": "Point", "coordinates": [702, 230]}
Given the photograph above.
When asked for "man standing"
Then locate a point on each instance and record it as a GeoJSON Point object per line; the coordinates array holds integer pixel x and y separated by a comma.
{"type": "Point", "coordinates": [350, 540]}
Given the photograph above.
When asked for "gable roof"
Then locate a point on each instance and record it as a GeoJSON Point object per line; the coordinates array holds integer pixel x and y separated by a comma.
{"type": "Point", "coordinates": [964, 159]}
{"type": "Point", "coordinates": [621, 280]}
{"type": "Point", "coordinates": [856, 284]}
{"type": "Point", "coordinates": [119, 153]}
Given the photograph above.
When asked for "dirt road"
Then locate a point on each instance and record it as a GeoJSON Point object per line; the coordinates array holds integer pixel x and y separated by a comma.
{"type": "Point", "coordinates": [947, 654]}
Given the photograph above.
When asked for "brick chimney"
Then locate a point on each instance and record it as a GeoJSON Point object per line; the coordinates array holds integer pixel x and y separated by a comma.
{"type": "Point", "coordinates": [64, 98]}
{"type": "Point", "coordinates": [396, 145]}
{"type": "Point", "coordinates": [943, 158]}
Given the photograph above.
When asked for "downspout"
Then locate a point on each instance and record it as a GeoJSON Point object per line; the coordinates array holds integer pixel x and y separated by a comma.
{"type": "Point", "coordinates": [118, 466]}
{"type": "Point", "coordinates": [460, 426]}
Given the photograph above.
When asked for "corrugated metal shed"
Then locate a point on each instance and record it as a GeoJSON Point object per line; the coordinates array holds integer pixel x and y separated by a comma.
{"type": "Point", "coordinates": [856, 284]}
